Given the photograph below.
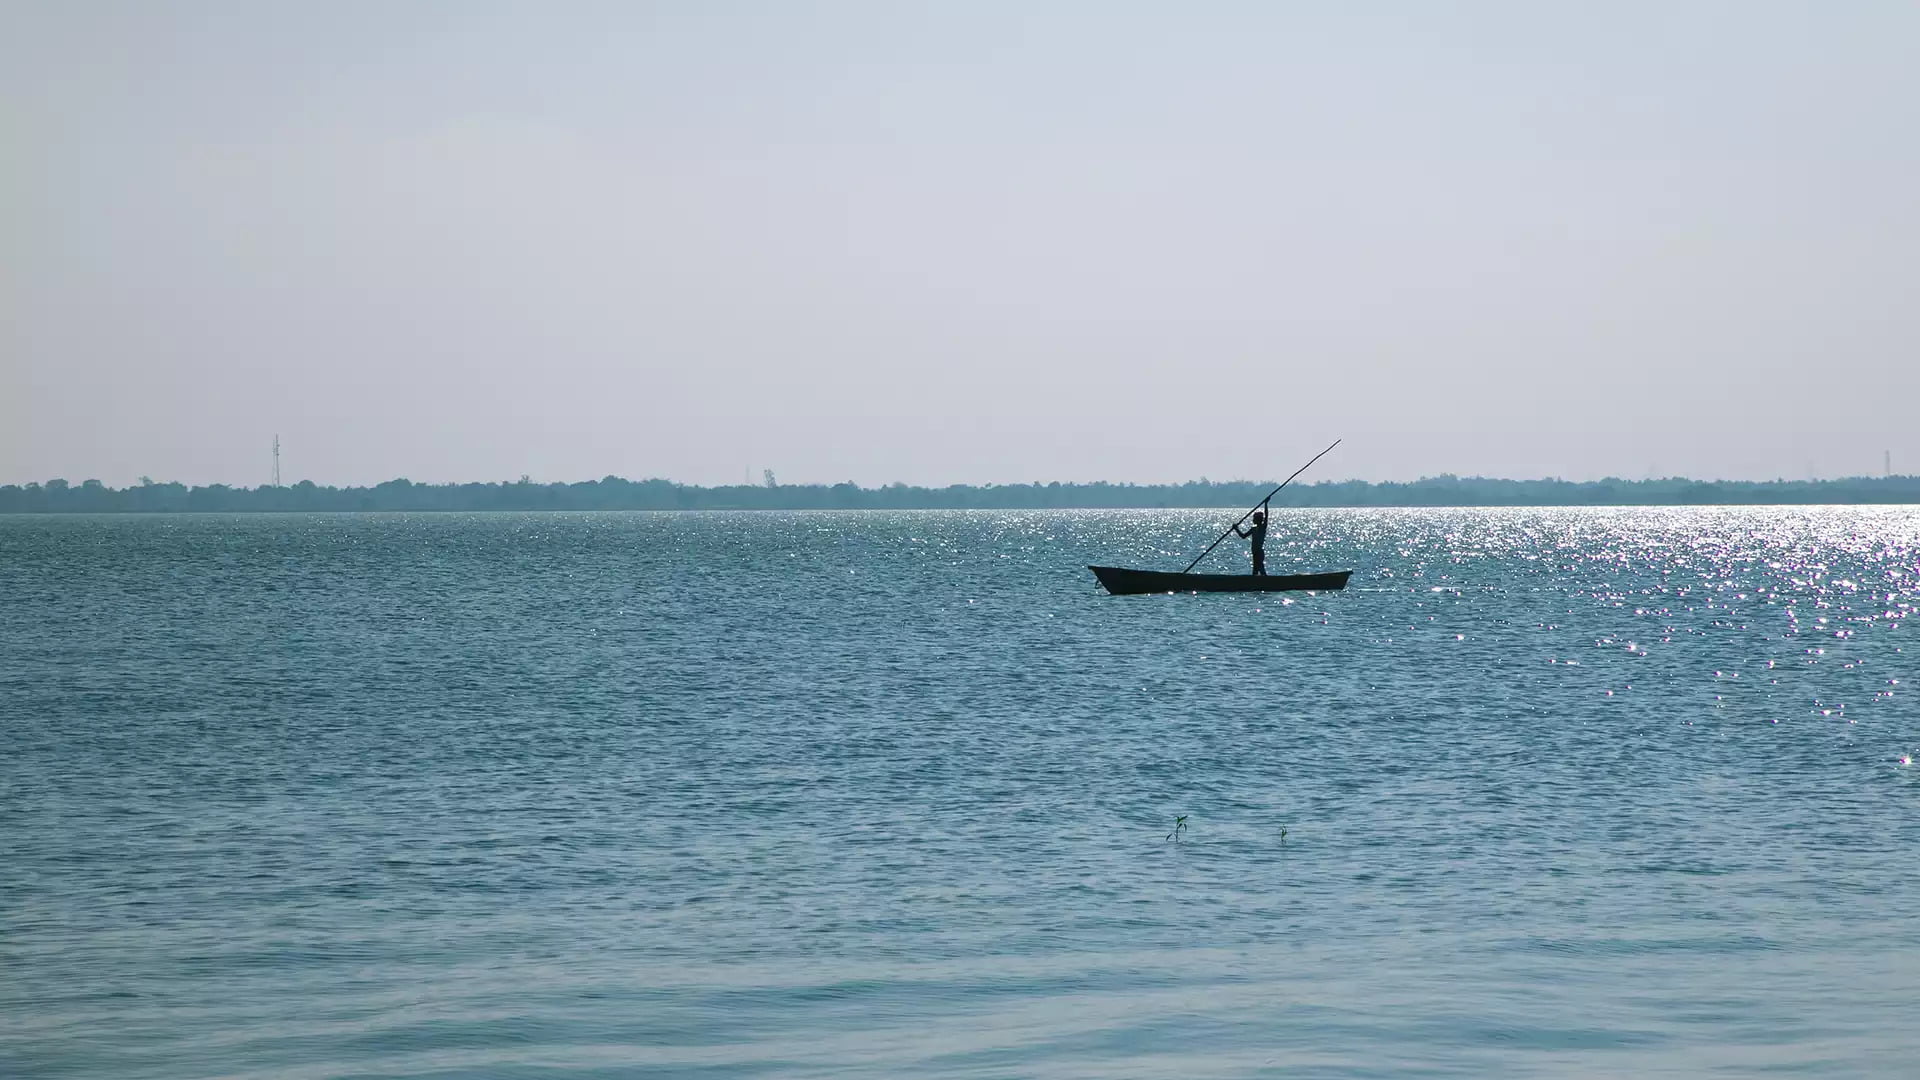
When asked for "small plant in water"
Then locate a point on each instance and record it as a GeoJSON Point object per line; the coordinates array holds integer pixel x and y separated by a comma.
{"type": "Point", "coordinates": [1179, 827]}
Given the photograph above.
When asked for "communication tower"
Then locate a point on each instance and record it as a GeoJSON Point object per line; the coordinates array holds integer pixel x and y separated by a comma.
{"type": "Point", "coordinates": [276, 461]}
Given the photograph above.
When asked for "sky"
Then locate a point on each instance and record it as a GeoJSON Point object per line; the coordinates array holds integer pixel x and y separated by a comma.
{"type": "Point", "coordinates": [963, 242]}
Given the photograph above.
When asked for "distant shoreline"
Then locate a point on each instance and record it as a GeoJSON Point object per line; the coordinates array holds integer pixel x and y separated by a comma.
{"type": "Point", "coordinates": [613, 493]}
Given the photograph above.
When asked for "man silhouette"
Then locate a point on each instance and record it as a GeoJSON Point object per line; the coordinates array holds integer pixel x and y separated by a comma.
{"type": "Point", "coordinates": [1258, 534]}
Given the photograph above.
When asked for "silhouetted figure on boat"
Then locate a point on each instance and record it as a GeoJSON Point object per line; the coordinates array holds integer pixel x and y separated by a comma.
{"type": "Point", "coordinates": [1258, 534]}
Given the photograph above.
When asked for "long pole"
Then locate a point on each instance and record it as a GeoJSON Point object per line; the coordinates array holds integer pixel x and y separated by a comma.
{"type": "Point", "coordinates": [1236, 525]}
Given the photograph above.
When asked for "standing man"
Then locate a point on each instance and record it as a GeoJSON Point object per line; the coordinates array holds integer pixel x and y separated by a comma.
{"type": "Point", "coordinates": [1258, 534]}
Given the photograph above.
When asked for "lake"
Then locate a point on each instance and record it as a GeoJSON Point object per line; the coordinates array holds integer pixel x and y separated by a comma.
{"type": "Point", "coordinates": [1568, 792]}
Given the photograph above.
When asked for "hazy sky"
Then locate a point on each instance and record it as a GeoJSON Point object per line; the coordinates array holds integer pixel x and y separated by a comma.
{"type": "Point", "coordinates": [962, 241]}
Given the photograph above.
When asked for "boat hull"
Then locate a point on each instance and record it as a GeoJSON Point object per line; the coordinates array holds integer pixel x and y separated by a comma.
{"type": "Point", "coordinates": [1124, 582]}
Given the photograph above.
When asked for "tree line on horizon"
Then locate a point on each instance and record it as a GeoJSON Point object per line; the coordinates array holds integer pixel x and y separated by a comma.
{"type": "Point", "coordinates": [615, 493]}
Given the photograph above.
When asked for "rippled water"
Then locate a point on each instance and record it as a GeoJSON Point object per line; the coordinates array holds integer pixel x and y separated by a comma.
{"type": "Point", "coordinates": [1566, 792]}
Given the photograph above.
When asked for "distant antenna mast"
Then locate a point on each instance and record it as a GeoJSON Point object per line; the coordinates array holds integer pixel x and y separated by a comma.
{"type": "Point", "coordinates": [276, 461]}
{"type": "Point", "coordinates": [1886, 462]}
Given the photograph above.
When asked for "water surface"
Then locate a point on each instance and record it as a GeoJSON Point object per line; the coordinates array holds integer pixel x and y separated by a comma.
{"type": "Point", "coordinates": [1556, 793]}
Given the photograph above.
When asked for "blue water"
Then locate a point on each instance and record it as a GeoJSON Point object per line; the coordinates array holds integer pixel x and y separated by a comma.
{"type": "Point", "coordinates": [1543, 793]}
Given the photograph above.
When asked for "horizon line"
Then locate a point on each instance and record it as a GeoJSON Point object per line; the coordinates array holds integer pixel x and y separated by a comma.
{"type": "Point", "coordinates": [527, 480]}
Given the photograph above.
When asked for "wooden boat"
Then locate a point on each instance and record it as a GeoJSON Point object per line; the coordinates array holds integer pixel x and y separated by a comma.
{"type": "Point", "coordinates": [1124, 582]}
{"type": "Point", "coordinates": [1121, 581]}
